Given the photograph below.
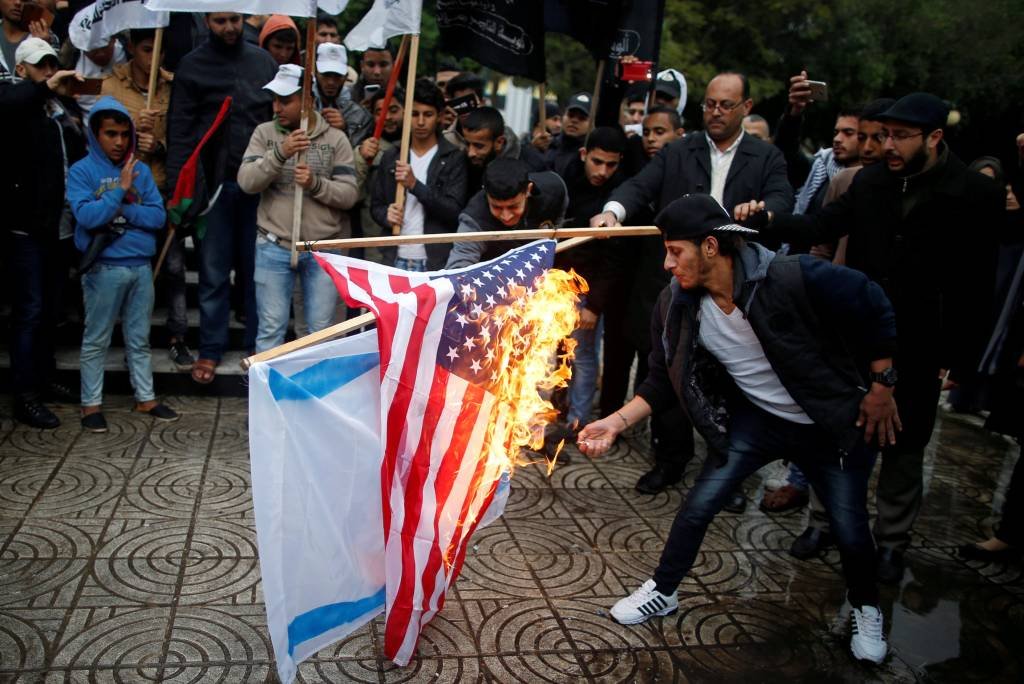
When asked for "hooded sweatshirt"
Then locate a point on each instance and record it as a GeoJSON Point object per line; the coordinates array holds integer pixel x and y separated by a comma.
{"type": "Point", "coordinates": [96, 198]}
{"type": "Point", "coordinates": [278, 22]}
{"type": "Point", "coordinates": [265, 170]}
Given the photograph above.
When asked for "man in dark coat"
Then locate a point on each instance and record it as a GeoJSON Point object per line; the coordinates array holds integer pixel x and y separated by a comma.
{"type": "Point", "coordinates": [566, 145]}
{"type": "Point", "coordinates": [904, 218]}
{"type": "Point", "coordinates": [225, 65]}
{"type": "Point", "coordinates": [770, 355]}
{"type": "Point", "coordinates": [44, 138]}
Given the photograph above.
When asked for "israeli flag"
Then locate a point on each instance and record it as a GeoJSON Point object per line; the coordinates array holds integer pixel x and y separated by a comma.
{"type": "Point", "coordinates": [315, 452]}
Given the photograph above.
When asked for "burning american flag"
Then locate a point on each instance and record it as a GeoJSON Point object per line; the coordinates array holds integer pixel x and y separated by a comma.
{"type": "Point", "coordinates": [464, 356]}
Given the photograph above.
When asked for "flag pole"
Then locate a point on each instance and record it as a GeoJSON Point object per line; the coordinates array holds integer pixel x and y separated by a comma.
{"type": "Point", "coordinates": [480, 236]}
{"type": "Point", "coordinates": [154, 80]}
{"type": "Point", "coordinates": [307, 106]}
{"type": "Point", "coordinates": [389, 91]}
{"type": "Point", "coordinates": [410, 83]}
{"type": "Point", "coordinates": [594, 99]}
{"type": "Point", "coordinates": [351, 324]}
{"type": "Point", "coordinates": [542, 109]}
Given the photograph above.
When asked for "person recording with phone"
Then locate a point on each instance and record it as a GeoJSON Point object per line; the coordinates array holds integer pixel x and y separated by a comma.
{"type": "Point", "coordinates": [37, 221]}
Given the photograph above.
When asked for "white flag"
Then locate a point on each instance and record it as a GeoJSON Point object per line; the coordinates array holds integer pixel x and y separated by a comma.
{"type": "Point", "coordinates": [386, 19]}
{"type": "Point", "coordinates": [93, 26]}
{"type": "Point", "coordinates": [292, 8]}
{"type": "Point", "coordinates": [316, 453]}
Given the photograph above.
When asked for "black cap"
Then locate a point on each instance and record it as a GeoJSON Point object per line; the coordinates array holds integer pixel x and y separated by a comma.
{"type": "Point", "coordinates": [580, 101]}
{"type": "Point", "coordinates": [693, 216]}
{"type": "Point", "coordinates": [918, 109]}
{"type": "Point", "coordinates": [876, 109]}
{"type": "Point", "coordinates": [666, 84]}
{"type": "Point", "coordinates": [551, 109]}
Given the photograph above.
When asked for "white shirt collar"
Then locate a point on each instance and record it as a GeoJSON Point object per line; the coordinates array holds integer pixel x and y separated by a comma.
{"type": "Point", "coordinates": [729, 150]}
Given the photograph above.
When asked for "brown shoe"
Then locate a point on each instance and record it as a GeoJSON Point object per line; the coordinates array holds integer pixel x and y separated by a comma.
{"type": "Point", "coordinates": [787, 498]}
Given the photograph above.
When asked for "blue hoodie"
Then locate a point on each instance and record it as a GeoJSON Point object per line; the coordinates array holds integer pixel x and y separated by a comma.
{"type": "Point", "coordinates": [96, 199]}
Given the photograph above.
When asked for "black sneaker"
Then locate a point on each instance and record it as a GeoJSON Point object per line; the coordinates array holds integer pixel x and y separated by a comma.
{"type": "Point", "coordinates": [161, 412]}
{"type": "Point", "coordinates": [59, 393]}
{"type": "Point", "coordinates": [34, 413]}
{"type": "Point", "coordinates": [657, 480]}
{"type": "Point", "coordinates": [812, 542]}
{"type": "Point", "coordinates": [181, 355]}
{"type": "Point", "coordinates": [94, 422]}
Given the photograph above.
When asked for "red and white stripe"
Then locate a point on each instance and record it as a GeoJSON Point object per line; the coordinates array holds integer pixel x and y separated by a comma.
{"type": "Point", "coordinates": [435, 484]}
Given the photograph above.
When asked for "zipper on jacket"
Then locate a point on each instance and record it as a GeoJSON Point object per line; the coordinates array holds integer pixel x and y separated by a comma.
{"type": "Point", "coordinates": [905, 181]}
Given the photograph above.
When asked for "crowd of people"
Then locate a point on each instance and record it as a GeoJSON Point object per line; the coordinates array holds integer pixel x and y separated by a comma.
{"type": "Point", "coordinates": [803, 307]}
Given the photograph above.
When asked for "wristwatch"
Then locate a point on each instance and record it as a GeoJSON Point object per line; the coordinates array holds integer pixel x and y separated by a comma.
{"type": "Point", "coordinates": [886, 377]}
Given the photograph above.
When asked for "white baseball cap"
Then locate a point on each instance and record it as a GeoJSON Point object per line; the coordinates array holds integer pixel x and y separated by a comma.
{"type": "Point", "coordinates": [33, 50]}
{"type": "Point", "coordinates": [287, 81]}
{"type": "Point", "coordinates": [331, 59]}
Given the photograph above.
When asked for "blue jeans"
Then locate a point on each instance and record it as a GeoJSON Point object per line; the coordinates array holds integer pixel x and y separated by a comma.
{"type": "Point", "coordinates": [113, 292]}
{"type": "Point", "coordinates": [37, 274]}
{"type": "Point", "coordinates": [230, 228]}
{"type": "Point", "coordinates": [583, 385]}
{"type": "Point", "coordinates": [275, 280]}
{"type": "Point", "coordinates": [411, 265]}
{"type": "Point", "coordinates": [755, 439]}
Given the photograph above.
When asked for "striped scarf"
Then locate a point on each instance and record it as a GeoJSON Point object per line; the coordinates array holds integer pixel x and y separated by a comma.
{"type": "Point", "coordinates": [822, 170]}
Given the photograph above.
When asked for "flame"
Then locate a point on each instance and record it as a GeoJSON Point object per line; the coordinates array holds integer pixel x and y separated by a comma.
{"type": "Point", "coordinates": [530, 364]}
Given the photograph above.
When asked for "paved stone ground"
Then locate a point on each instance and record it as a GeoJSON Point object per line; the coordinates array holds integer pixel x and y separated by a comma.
{"type": "Point", "coordinates": [131, 556]}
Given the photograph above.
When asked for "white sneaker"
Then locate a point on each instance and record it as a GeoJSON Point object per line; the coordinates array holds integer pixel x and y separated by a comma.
{"type": "Point", "coordinates": [646, 602]}
{"type": "Point", "coordinates": [866, 640]}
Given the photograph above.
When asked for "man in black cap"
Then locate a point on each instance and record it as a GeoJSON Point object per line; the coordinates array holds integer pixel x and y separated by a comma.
{"type": "Point", "coordinates": [667, 90]}
{"type": "Point", "coordinates": [903, 218]}
{"type": "Point", "coordinates": [512, 198]}
{"type": "Point", "coordinates": [566, 145]}
{"type": "Point", "coordinates": [770, 356]}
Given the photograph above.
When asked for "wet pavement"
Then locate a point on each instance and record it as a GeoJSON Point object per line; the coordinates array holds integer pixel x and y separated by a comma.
{"type": "Point", "coordinates": [131, 556]}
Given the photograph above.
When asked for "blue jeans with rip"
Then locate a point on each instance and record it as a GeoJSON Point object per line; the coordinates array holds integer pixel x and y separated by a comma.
{"type": "Point", "coordinates": [230, 229]}
{"type": "Point", "coordinates": [756, 438]}
{"type": "Point", "coordinates": [113, 292]}
{"type": "Point", "coordinates": [275, 279]}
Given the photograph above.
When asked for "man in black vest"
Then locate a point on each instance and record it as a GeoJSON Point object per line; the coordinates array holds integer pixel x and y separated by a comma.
{"type": "Point", "coordinates": [770, 356]}
{"type": "Point", "coordinates": [512, 199]}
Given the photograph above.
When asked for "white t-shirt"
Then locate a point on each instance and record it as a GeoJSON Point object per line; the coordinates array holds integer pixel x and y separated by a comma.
{"type": "Point", "coordinates": [414, 217]}
{"type": "Point", "coordinates": [732, 341]}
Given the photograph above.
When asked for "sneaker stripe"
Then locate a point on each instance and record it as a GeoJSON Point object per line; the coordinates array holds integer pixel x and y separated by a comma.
{"type": "Point", "coordinates": [659, 603]}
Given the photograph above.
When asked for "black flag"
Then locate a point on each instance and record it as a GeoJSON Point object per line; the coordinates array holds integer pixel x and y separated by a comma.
{"type": "Point", "coordinates": [639, 30]}
{"type": "Point", "coordinates": [511, 42]}
{"type": "Point", "coordinates": [592, 22]}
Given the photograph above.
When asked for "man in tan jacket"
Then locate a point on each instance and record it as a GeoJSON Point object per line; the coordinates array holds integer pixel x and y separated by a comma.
{"type": "Point", "coordinates": [327, 175]}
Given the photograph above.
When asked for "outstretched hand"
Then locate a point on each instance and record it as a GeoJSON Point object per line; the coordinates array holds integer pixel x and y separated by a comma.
{"type": "Point", "coordinates": [597, 437]}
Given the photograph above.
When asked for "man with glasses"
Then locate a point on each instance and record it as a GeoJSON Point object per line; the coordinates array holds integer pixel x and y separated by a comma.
{"type": "Point", "coordinates": [906, 220]}
{"type": "Point", "coordinates": [721, 161]}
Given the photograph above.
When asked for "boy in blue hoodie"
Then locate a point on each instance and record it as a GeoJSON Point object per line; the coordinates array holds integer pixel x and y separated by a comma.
{"type": "Point", "coordinates": [115, 201]}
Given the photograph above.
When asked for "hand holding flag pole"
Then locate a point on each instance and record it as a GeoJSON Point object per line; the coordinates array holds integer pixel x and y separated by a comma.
{"type": "Point", "coordinates": [307, 88]}
{"type": "Point", "coordinates": [403, 156]}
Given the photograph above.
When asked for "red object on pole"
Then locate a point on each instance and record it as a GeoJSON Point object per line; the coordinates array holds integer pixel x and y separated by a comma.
{"type": "Point", "coordinates": [389, 91]}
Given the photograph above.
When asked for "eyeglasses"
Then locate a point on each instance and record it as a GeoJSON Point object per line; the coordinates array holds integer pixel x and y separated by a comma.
{"type": "Point", "coordinates": [900, 136]}
{"type": "Point", "coordinates": [724, 105]}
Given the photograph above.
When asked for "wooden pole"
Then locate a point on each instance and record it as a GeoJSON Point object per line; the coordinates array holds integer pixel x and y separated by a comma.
{"type": "Point", "coordinates": [403, 156]}
{"type": "Point", "coordinates": [307, 107]}
{"type": "Point", "coordinates": [542, 110]}
{"type": "Point", "coordinates": [389, 91]}
{"type": "Point", "coordinates": [594, 99]}
{"type": "Point", "coordinates": [481, 236]}
{"type": "Point", "coordinates": [163, 251]}
{"type": "Point", "coordinates": [154, 67]}
{"type": "Point", "coordinates": [353, 324]}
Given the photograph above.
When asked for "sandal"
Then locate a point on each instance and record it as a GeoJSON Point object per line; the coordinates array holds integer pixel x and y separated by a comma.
{"type": "Point", "coordinates": [204, 370]}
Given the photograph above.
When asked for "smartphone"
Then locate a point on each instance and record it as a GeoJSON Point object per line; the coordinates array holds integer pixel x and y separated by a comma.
{"type": "Point", "coordinates": [369, 90]}
{"type": "Point", "coordinates": [90, 86]}
{"type": "Point", "coordinates": [636, 71]}
{"type": "Point", "coordinates": [462, 105]}
{"type": "Point", "coordinates": [30, 12]}
{"type": "Point", "coordinates": [819, 91]}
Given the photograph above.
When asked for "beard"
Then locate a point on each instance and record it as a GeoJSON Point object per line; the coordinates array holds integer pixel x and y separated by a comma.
{"type": "Point", "coordinates": [915, 164]}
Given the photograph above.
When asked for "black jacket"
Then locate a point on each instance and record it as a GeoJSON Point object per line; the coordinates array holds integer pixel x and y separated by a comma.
{"type": "Point", "coordinates": [683, 167]}
{"type": "Point", "coordinates": [820, 326]}
{"type": "Point", "coordinates": [595, 260]}
{"type": "Point", "coordinates": [557, 157]}
{"type": "Point", "coordinates": [907, 235]}
{"type": "Point", "coordinates": [545, 206]}
{"type": "Point", "coordinates": [32, 173]}
{"type": "Point", "coordinates": [442, 196]}
{"type": "Point", "coordinates": [204, 78]}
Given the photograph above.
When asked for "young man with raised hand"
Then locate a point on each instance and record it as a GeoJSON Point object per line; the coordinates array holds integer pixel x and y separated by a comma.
{"type": "Point", "coordinates": [327, 175]}
{"type": "Point", "coordinates": [769, 355]}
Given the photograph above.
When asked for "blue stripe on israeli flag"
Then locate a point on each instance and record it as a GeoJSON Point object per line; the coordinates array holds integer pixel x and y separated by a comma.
{"type": "Point", "coordinates": [315, 622]}
{"type": "Point", "coordinates": [322, 378]}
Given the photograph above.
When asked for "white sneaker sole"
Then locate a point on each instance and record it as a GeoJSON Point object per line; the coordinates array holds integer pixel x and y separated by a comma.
{"type": "Point", "coordinates": [861, 655]}
{"type": "Point", "coordinates": [644, 618]}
